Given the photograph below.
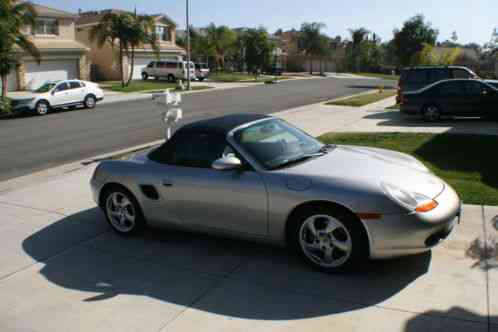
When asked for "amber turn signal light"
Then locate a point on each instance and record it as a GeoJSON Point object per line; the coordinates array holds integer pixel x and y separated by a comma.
{"type": "Point", "coordinates": [427, 206]}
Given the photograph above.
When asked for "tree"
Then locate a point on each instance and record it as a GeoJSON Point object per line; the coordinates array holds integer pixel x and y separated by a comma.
{"type": "Point", "coordinates": [430, 56]}
{"type": "Point", "coordinates": [14, 17]}
{"type": "Point", "coordinates": [412, 38]}
{"type": "Point", "coordinates": [221, 40]}
{"type": "Point", "coordinates": [454, 37]}
{"type": "Point", "coordinates": [311, 41]}
{"type": "Point", "coordinates": [128, 30]}
{"type": "Point", "coordinates": [357, 48]}
{"type": "Point", "coordinates": [258, 49]}
{"type": "Point", "coordinates": [141, 31]}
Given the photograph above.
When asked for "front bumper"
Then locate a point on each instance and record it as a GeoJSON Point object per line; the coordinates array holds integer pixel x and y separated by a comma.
{"type": "Point", "coordinates": [96, 187]}
{"type": "Point", "coordinates": [399, 235]}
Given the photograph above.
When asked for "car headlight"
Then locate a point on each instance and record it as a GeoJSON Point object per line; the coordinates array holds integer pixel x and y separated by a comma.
{"type": "Point", "coordinates": [409, 200]}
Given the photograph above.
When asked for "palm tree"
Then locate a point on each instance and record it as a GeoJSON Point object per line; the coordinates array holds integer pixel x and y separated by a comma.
{"type": "Point", "coordinates": [14, 17]}
{"type": "Point", "coordinates": [141, 32]}
{"type": "Point", "coordinates": [112, 28]}
{"type": "Point", "coordinates": [311, 41]}
{"type": "Point", "coordinates": [221, 41]}
{"type": "Point", "coordinates": [358, 39]}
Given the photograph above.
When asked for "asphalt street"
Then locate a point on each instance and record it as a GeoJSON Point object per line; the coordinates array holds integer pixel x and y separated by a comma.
{"type": "Point", "coordinates": [34, 143]}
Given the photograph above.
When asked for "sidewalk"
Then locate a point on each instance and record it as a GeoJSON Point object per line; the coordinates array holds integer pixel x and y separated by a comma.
{"type": "Point", "coordinates": [62, 269]}
{"type": "Point", "coordinates": [318, 119]}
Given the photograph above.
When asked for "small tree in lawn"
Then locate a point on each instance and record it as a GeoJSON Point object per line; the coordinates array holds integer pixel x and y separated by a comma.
{"type": "Point", "coordinates": [112, 28]}
{"type": "Point", "coordinates": [221, 41]}
{"type": "Point", "coordinates": [142, 31]}
{"type": "Point", "coordinates": [412, 38]}
{"type": "Point", "coordinates": [311, 41]}
{"type": "Point", "coordinates": [258, 49]}
{"type": "Point", "coordinates": [14, 17]}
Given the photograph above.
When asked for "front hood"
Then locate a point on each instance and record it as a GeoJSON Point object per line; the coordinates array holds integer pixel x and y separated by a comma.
{"type": "Point", "coordinates": [26, 96]}
{"type": "Point", "coordinates": [371, 166]}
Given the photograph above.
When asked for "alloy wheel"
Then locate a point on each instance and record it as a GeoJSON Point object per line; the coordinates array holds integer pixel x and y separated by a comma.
{"type": "Point", "coordinates": [325, 241]}
{"type": "Point", "coordinates": [121, 212]}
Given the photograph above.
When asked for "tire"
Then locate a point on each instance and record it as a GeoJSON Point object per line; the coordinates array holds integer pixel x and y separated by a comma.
{"type": "Point", "coordinates": [171, 78]}
{"type": "Point", "coordinates": [145, 76]}
{"type": "Point", "coordinates": [201, 79]}
{"type": "Point", "coordinates": [42, 107]}
{"type": "Point", "coordinates": [339, 244]}
{"type": "Point", "coordinates": [431, 113]}
{"type": "Point", "coordinates": [122, 211]}
{"type": "Point", "coordinates": [90, 101]}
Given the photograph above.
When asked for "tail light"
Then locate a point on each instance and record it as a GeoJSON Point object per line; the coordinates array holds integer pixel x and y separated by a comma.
{"type": "Point", "coordinates": [400, 98]}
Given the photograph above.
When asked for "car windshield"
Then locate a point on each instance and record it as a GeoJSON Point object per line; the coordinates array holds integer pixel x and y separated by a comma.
{"type": "Point", "coordinates": [46, 87]}
{"type": "Point", "coordinates": [276, 144]}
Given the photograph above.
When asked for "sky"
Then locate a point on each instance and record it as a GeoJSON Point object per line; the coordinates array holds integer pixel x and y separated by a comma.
{"type": "Point", "coordinates": [473, 20]}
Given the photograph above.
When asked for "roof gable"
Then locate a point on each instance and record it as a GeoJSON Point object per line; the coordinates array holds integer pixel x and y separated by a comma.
{"type": "Point", "coordinates": [45, 11]}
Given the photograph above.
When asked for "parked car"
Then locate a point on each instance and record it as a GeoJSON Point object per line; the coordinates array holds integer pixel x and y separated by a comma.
{"type": "Point", "coordinates": [201, 71]}
{"type": "Point", "coordinates": [258, 177]}
{"type": "Point", "coordinates": [468, 98]}
{"type": "Point", "coordinates": [493, 83]}
{"type": "Point", "coordinates": [415, 78]}
{"type": "Point", "coordinates": [277, 70]}
{"type": "Point", "coordinates": [59, 94]}
{"type": "Point", "coordinates": [170, 69]}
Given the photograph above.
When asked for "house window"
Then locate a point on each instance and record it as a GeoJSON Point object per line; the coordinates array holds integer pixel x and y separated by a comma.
{"type": "Point", "coordinates": [163, 33]}
{"type": "Point", "coordinates": [47, 26]}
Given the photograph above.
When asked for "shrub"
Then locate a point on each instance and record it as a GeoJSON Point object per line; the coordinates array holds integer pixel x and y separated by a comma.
{"type": "Point", "coordinates": [5, 106]}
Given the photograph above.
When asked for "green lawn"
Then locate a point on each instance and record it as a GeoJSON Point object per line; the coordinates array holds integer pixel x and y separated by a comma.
{"type": "Point", "coordinates": [466, 162]}
{"type": "Point", "coordinates": [241, 77]}
{"type": "Point", "coordinates": [139, 86]}
{"type": "Point", "coordinates": [383, 76]}
{"type": "Point", "coordinates": [364, 99]}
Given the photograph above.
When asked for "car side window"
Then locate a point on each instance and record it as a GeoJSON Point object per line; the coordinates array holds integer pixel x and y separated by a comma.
{"type": "Point", "coordinates": [193, 150]}
{"type": "Point", "coordinates": [150, 65]}
{"type": "Point", "coordinates": [451, 89]}
{"type": "Point", "coordinates": [74, 85]}
{"type": "Point", "coordinates": [437, 75]}
{"type": "Point", "coordinates": [61, 87]}
{"type": "Point", "coordinates": [418, 76]}
{"type": "Point", "coordinates": [461, 73]}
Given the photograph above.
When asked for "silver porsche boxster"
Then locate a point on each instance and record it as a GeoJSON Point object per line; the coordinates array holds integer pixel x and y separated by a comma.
{"type": "Point", "coordinates": [258, 177]}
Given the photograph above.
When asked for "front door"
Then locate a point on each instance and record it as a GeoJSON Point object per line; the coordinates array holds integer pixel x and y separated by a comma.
{"type": "Point", "coordinates": [451, 97]}
{"type": "Point", "coordinates": [205, 198]}
{"type": "Point", "coordinates": [61, 95]}
{"type": "Point", "coordinates": [480, 99]}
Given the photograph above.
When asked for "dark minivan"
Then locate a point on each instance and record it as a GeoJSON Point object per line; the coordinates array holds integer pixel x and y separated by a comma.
{"type": "Point", "coordinates": [415, 78]}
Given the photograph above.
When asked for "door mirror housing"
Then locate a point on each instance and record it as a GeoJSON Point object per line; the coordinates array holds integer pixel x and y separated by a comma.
{"type": "Point", "coordinates": [227, 163]}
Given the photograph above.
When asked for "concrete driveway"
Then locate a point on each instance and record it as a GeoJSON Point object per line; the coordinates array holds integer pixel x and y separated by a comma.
{"type": "Point", "coordinates": [319, 119]}
{"type": "Point", "coordinates": [62, 269]}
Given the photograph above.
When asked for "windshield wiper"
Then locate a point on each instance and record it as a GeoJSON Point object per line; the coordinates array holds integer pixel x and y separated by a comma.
{"type": "Point", "coordinates": [288, 162]}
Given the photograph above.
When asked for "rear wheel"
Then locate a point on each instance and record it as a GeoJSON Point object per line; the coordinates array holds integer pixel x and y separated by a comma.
{"type": "Point", "coordinates": [328, 239]}
{"type": "Point", "coordinates": [123, 211]}
{"type": "Point", "coordinates": [42, 107]}
{"type": "Point", "coordinates": [431, 113]}
{"type": "Point", "coordinates": [171, 78]}
{"type": "Point", "coordinates": [90, 101]}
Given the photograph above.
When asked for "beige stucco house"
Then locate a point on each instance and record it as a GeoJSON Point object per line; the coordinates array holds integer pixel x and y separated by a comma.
{"type": "Point", "coordinates": [105, 60]}
{"type": "Point", "coordinates": [62, 56]}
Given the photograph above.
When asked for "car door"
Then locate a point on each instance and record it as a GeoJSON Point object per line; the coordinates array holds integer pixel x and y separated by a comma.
{"type": "Point", "coordinates": [450, 96]}
{"type": "Point", "coordinates": [479, 99]}
{"type": "Point", "coordinates": [76, 92]}
{"type": "Point", "coordinates": [205, 198]}
{"type": "Point", "coordinates": [60, 94]}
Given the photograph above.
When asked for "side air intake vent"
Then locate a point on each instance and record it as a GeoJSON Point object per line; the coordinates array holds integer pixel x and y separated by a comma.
{"type": "Point", "coordinates": [150, 192]}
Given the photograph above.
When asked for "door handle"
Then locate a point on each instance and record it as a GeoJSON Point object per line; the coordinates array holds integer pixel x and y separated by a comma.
{"type": "Point", "coordinates": [167, 183]}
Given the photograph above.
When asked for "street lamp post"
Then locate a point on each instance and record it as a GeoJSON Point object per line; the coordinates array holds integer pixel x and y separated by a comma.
{"type": "Point", "coordinates": [188, 45]}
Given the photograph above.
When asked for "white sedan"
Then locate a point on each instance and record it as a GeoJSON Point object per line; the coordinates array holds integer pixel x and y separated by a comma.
{"type": "Point", "coordinates": [59, 94]}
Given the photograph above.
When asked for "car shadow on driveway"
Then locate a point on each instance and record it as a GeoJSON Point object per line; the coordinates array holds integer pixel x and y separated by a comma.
{"type": "Point", "coordinates": [473, 321]}
{"type": "Point", "coordinates": [221, 276]}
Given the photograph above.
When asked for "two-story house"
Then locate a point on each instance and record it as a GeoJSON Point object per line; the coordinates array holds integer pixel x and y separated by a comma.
{"type": "Point", "coordinates": [106, 59]}
{"type": "Point", "coordinates": [62, 57]}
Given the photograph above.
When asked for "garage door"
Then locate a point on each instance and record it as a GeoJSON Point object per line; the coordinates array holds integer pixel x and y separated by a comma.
{"type": "Point", "coordinates": [49, 70]}
{"type": "Point", "coordinates": [140, 63]}
{"type": "Point", "coordinates": [11, 82]}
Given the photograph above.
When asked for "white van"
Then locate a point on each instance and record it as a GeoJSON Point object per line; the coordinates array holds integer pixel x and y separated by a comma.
{"type": "Point", "coordinates": [170, 69]}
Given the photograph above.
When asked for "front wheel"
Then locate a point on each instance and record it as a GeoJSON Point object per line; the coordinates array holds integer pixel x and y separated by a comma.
{"type": "Point", "coordinates": [145, 76]}
{"type": "Point", "coordinates": [329, 240]}
{"type": "Point", "coordinates": [123, 212]}
{"type": "Point", "coordinates": [90, 101]}
{"type": "Point", "coordinates": [431, 113]}
{"type": "Point", "coordinates": [42, 107]}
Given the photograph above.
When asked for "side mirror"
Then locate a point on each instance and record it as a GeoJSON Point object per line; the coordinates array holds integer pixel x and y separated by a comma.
{"type": "Point", "coordinates": [227, 163]}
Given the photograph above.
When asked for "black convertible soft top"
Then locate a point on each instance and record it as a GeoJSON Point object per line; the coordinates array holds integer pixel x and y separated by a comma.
{"type": "Point", "coordinates": [221, 125]}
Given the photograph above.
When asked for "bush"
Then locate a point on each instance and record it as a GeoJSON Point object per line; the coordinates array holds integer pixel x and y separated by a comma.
{"type": "Point", "coordinates": [5, 106]}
